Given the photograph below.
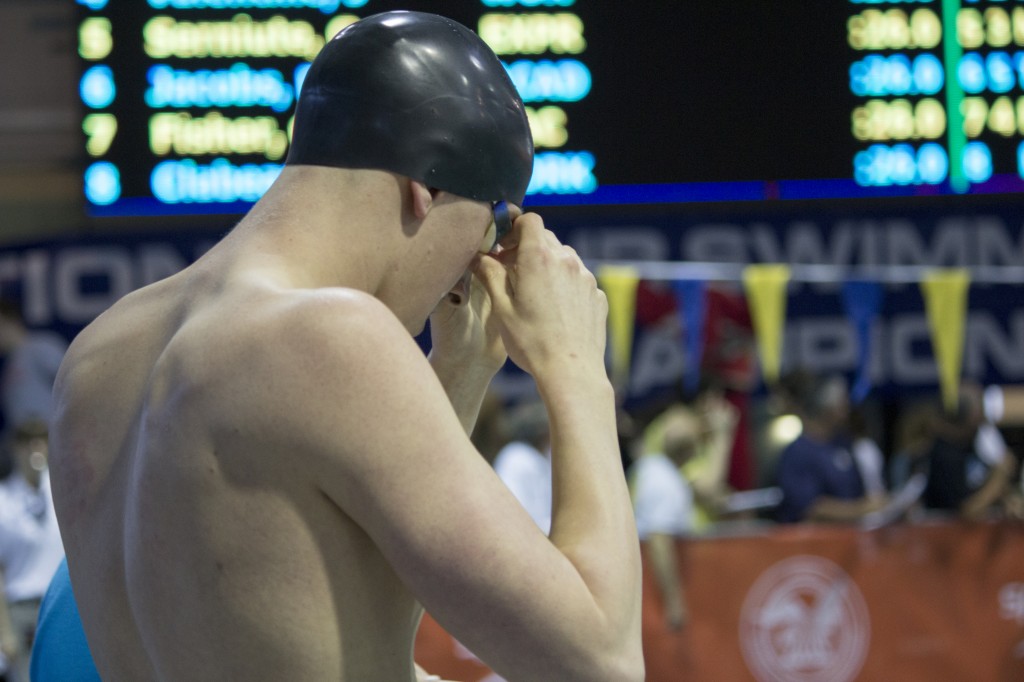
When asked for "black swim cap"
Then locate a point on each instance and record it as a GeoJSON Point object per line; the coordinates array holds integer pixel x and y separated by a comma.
{"type": "Point", "coordinates": [419, 95]}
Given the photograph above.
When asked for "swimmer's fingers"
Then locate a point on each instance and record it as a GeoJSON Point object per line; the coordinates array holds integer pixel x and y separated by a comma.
{"type": "Point", "coordinates": [529, 250]}
{"type": "Point", "coordinates": [529, 229]}
{"type": "Point", "coordinates": [494, 276]}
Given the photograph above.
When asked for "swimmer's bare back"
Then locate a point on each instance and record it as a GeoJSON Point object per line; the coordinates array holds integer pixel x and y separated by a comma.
{"type": "Point", "coordinates": [193, 515]}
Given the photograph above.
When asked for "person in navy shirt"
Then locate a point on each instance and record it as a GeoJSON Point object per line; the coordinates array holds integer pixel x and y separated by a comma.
{"type": "Point", "coordinates": [817, 472]}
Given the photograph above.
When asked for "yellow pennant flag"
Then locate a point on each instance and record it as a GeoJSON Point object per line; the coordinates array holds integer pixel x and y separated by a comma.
{"type": "Point", "coordinates": [619, 284]}
{"type": "Point", "coordinates": [766, 295]}
{"type": "Point", "coordinates": [945, 302]}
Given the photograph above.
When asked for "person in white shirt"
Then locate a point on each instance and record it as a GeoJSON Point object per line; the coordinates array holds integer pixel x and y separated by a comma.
{"type": "Point", "coordinates": [866, 454]}
{"type": "Point", "coordinates": [524, 464]}
{"type": "Point", "coordinates": [663, 500]}
{"type": "Point", "coordinates": [30, 545]}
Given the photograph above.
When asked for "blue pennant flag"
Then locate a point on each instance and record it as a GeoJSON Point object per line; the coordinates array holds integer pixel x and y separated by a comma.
{"type": "Point", "coordinates": [692, 301]}
{"type": "Point", "coordinates": [863, 302]}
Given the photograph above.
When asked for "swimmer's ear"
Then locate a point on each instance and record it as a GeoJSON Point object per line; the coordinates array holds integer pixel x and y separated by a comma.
{"type": "Point", "coordinates": [422, 199]}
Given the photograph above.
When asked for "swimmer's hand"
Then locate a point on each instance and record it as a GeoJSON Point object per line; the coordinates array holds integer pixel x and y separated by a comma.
{"type": "Point", "coordinates": [463, 333]}
{"type": "Point", "coordinates": [550, 312]}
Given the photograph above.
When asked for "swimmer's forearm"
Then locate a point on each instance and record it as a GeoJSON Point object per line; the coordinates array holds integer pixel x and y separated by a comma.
{"type": "Point", "coordinates": [465, 389]}
{"type": "Point", "coordinates": [592, 518]}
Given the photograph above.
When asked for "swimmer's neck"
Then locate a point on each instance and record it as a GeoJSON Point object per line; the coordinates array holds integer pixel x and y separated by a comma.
{"type": "Point", "coordinates": [322, 227]}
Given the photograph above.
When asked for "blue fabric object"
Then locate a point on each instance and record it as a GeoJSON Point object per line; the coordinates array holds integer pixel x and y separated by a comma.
{"type": "Point", "coordinates": [863, 302]}
{"type": "Point", "coordinates": [809, 470]}
{"type": "Point", "coordinates": [60, 652]}
{"type": "Point", "coordinates": [692, 301]}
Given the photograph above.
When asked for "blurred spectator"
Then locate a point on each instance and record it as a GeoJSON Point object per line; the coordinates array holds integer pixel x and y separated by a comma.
{"type": "Point", "coordinates": [30, 545]}
{"type": "Point", "coordinates": [524, 464]}
{"type": "Point", "coordinates": [707, 470]}
{"type": "Point", "coordinates": [32, 359]}
{"type": "Point", "coordinates": [818, 475]}
{"type": "Point", "coordinates": [914, 435]}
{"type": "Point", "coordinates": [663, 500]}
{"type": "Point", "coordinates": [1004, 405]}
{"type": "Point", "coordinates": [730, 359]}
{"type": "Point", "coordinates": [867, 455]}
{"type": "Point", "coordinates": [970, 469]}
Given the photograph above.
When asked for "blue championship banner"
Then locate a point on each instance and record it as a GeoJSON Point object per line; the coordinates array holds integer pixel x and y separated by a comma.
{"type": "Point", "coordinates": [65, 283]}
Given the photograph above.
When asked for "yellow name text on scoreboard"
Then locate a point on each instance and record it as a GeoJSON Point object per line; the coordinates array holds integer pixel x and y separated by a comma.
{"type": "Point", "coordinates": [548, 126]}
{"type": "Point", "coordinates": [240, 37]}
{"type": "Point", "coordinates": [560, 33]}
{"type": "Point", "coordinates": [215, 133]}
{"type": "Point", "coordinates": [338, 23]}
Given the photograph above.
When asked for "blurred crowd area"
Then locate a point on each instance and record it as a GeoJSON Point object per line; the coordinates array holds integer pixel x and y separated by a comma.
{"type": "Point", "coordinates": [720, 460]}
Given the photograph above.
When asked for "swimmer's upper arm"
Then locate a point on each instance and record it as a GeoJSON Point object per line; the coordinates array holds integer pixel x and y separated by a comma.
{"type": "Point", "coordinates": [390, 451]}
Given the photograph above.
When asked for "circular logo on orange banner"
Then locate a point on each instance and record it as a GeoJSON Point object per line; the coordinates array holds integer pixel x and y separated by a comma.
{"type": "Point", "coordinates": [804, 620]}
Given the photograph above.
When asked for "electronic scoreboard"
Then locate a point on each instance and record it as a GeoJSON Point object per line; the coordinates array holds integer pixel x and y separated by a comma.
{"type": "Point", "coordinates": [187, 104]}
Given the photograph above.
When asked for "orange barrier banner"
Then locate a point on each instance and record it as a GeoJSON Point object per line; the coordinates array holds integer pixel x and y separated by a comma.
{"type": "Point", "coordinates": [931, 602]}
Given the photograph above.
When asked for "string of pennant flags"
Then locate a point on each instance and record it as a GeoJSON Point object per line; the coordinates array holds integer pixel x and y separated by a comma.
{"type": "Point", "coordinates": [944, 291]}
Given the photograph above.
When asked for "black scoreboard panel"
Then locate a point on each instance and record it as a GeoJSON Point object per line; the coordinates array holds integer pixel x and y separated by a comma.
{"type": "Point", "coordinates": [187, 104]}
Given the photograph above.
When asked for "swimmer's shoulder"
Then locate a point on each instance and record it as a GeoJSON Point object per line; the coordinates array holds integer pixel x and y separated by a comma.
{"type": "Point", "coordinates": [132, 327]}
{"type": "Point", "coordinates": [301, 356]}
{"type": "Point", "coordinates": [338, 322]}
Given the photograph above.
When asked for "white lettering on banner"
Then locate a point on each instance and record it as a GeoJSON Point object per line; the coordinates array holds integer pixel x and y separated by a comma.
{"type": "Point", "coordinates": [72, 268]}
{"type": "Point", "coordinates": [955, 241]}
{"type": "Point", "coordinates": [10, 267]}
{"type": "Point", "coordinates": [826, 344]}
{"type": "Point", "coordinates": [870, 249]}
{"type": "Point", "coordinates": [995, 244]}
{"type": "Point", "coordinates": [72, 285]}
{"type": "Point", "coordinates": [806, 245]}
{"type": "Point", "coordinates": [621, 243]}
{"type": "Point", "coordinates": [721, 243]}
{"type": "Point", "coordinates": [157, 261]}
{"type": "Point", "coordinates": [908, 336]}
{"type": "Point", "coordinates": [949, 246]}
{"type": "Point", "coordinates": [658, 359]}
{"type": "Point", "coordinates": [987, 342]}
{"type": "Point", "coordinates": [903, 351]}
{"type": "Point", "coordinates": [35, 284]}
